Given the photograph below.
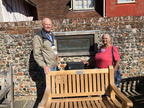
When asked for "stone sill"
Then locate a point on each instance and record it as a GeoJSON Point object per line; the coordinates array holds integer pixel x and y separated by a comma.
{"type": "Point", "coordinates": [131, 2]}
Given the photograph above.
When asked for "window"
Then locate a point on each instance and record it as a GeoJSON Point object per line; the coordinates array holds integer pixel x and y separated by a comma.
{"type": "Point", "coordinates": [127, 1]}
{"type": "Point", "coordinates": [83, 4]}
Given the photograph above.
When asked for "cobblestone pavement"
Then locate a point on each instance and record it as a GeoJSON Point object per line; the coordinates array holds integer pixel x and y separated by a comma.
{"type": "Point", "coordinates": [24, 104]}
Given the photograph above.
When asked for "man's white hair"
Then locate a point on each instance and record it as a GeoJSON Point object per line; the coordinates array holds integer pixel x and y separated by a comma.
{"type": "Point", "coordinates": [44, 20]}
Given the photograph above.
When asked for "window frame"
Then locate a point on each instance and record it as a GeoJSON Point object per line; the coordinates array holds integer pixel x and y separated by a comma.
{"type": "Point", "coordinates": [73, 2]}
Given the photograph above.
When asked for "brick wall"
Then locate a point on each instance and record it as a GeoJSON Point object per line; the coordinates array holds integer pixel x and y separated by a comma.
{"type": "Point", "coordinates": [16, 45]}
{"type": "Point", "coordinates": [59, 9]}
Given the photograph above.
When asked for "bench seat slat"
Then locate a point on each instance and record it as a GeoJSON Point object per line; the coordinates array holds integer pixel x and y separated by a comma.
{"type": "Point", "coordinates": [84, 104]}
{"type": "Point", "coordinates": [53, 105]}
{"type": "Point", "coordinates": [97, 103]}
{"type": "Point", "coordinates": [66, 105]}
{"type": "Point", "coordinates": [70, 104]}
{"type": "Point", "coordinates": [79, 104]}
{"type": "Point", "coordinates": [76, 99]}
{"type": "Point", "coordinates": [89, 104]}
{"type": "Point", "coordinates": [102, 104]}
{"type": "Point", "coordinates": [57, 104]}
{"type": "Point", "coordinates": [93, 104]}
{"type": "Point", "coordinates": [112, 102]}
{"type": "Point", "coordinates": [61, 105]}
{"type": "Point", "coordinates": [80, 94]}
{"type": "Point", "coordinates": [75, 104]}
{"type": "Point", "coordinates": [106, 101]}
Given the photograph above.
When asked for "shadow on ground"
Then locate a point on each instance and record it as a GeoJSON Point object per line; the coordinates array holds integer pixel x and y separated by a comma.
{"type": "Point", "coordinates": [133, 88]}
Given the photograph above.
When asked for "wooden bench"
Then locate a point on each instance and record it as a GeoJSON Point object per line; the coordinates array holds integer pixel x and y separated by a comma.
{"type": "Point", "coordinates": [6, 89]}
{"type": "Point", "coordinates": [89, 88]}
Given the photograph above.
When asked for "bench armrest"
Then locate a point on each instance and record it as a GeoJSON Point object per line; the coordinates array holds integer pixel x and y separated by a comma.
{"type": "Point", "coordinates": [4, 91]}
{"type": "Point", "coordinates": [125, 101]}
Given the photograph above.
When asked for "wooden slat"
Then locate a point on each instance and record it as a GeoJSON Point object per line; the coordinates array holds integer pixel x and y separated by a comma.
{"type": "Point", "coordinates": [70, 83]}
{"type": "Point", "coordinates": [93, 104]}
{"type": "Point", "coordinates": [115, 102]}
{"type": "Point", "coordinates": [84, 104]}
{"type": "Point", "coordinates": [106, 80]}
{"type": "Point", "coordinates": [66, 84]}
{"type": "Point", "coordinates": [94, 83]}
{"type": "Point", "coordinates": [76, 99]}
{"type": "Point", "coordinates": [71, 72]}
{"type": "Point", "coordinates": [75, 104]}
{"type": "Point", "coordinates": [78, 83]}
{"type": "Point", "coordinates": [66, 105]}
{"type": "Point", "coordinates": [97, 104]}
{"type": "Point", "coordinates": [90, 83]}
{"type": "Point", "coordinates": [61, 84]}
{"type": "Point", "coordinates": [102, 104]}
{"type": "Point", "coordinates": [108, 102]}
{"type": "Point", "coordinates": [98, 82]}
{"type": "Point", "coordinates": [53, 105]}
{"type": "Point", "coordinates": [86, 83]}
{"type": "Point", "coordinates": [57, 84]}
{"type": "Point", "coordinates": [80, 94]}
{"type": "Point", "coordinates": [79, 104]}
{"type": "Point", "coordinates": [88, 104]}
{"type": "Point", "coordinates": [53, 84]}
{"type": "Point", "coordinates": [74, 84]}
{"type": "Point", "coordinates": [58, 105]}
{"type": "Point", "coordinates": [62, 105]}
{"type": "Point", "coordinates": [82, 83]}
{"type": "Point", "coordinates": [71, 105]}
{"type": "Point", "coordinates": [102, 82]}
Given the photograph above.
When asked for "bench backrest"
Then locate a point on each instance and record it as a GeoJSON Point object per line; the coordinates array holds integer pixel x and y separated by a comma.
{"type": "Point", "coordinates": [71, 83]}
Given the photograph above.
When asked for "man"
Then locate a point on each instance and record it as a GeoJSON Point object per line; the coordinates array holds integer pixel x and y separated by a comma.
{"type": "Point", "coordinates": [44, 49]}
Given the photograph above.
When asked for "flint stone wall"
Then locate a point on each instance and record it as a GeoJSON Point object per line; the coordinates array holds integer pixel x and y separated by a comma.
{"type": "Point", "coordinates": [16, 46]}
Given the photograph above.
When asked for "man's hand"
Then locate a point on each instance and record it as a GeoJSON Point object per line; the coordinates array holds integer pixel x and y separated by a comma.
{"type": "Point", "coordinates": [46, 69]}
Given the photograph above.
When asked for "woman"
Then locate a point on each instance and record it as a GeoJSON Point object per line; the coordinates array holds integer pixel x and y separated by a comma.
{"type": "Point", "coordinates": [104, 56]}
{"type": "Point", "coordinates": [108, 55]}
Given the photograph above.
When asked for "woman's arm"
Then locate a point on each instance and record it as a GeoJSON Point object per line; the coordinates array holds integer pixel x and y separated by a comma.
{"type": "Point", "coordinates": [116, 63]}
{"type": "Point", "coordinates": [116, 58]}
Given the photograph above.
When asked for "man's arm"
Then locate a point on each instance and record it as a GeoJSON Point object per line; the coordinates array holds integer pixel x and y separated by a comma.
{"type": "Point", "coordinates": [37, 47]}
